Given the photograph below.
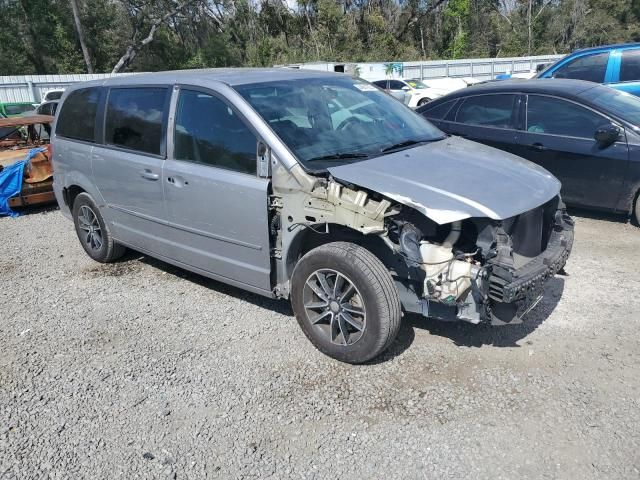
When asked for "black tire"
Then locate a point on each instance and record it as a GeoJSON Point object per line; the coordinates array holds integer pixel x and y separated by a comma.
{"type": "Point", "coordinates": [105, 251]}
{"type": "Point", "coordinates": [424, 101]}
{"type": "Point", "coordinates": [374, 292]}
{"type": "Point", "coordinates": [636, 211]}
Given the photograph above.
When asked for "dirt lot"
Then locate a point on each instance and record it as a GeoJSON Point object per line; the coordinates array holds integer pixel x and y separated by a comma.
{"type": "Point", "coordinates": [140, 370]}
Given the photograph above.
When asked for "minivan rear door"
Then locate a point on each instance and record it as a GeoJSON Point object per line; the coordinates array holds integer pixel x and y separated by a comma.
{"type": "Point", "coordinates": [216, 204]}
{"type": "Point", "coordinates": [127, 168]}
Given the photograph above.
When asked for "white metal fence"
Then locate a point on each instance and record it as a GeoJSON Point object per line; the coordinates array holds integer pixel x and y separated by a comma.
{"type": "Point", "coordinates": [481, 68]}
{"type": "Point", "coordinates": [31, 88]}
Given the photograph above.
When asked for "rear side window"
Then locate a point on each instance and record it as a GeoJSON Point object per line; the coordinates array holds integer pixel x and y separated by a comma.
{"type": "Point", "coordinates": [380, 83]}
{"type": "Point", "coordinates": [77, 117]}
{"type": "Point", "coordinates": [588, 67]}
{"type": "Point", "coordinates": [437, 112]}
{"type": "Point", "coordinates": [559, 117]}
{"type": "Point", "coordinates": [135, 118]}
{"type": "Point", "coordinates": [209, 131]}
{"type": "Point", "coordinates": [487, 110]}
{"type": "Point", "coordinates": [630, 65]}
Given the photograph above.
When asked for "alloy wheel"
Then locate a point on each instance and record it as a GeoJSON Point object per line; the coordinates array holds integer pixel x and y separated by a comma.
{"type": "Point", "coordinates": [334, 305]}
{"type": "Point", "coordinates": [88, 223]}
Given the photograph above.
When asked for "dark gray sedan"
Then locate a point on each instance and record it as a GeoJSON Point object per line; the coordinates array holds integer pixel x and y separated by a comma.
{"type": "Point", "coordinates": [587, 135]}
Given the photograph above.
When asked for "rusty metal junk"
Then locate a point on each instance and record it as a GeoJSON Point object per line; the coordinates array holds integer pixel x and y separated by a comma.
{"type": "Point", "coordinates": [18, 136]}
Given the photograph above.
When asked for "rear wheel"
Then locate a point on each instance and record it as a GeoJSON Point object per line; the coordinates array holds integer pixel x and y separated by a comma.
{"type": "Point", "coordinates": [93, 233]}
{"type": "Point", "coordinates": [636, 211]}
{"type": "Point", "coordinates": [345, 302]}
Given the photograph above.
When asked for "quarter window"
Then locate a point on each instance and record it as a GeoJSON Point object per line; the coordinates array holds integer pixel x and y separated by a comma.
{"type": "Point", "coordinates": [208, 131]}
{"type": "Point", "coordinates": [77, 117]}
{"type": "Point", "coordinates": [559, 117]}
{"type": "Point", "coordinates": [135, 118]}
{"type": "Point", "coordinates": [588, 67]}
{"type": "Point", "coordinates": [488, 111]}
{"type": "Point", "coordinates": [630, 65]}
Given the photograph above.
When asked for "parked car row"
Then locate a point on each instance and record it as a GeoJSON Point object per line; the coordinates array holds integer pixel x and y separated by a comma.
{"type": "Point", "coordinates": [47, 106]}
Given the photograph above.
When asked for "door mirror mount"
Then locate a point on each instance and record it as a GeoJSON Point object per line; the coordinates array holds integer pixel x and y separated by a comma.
{"type": "Point", "coordinates": [406, 89]}
{"type": "Point", "coordinates": [264, 160]}
{"type": "Point", "coordinates": [607, 134]}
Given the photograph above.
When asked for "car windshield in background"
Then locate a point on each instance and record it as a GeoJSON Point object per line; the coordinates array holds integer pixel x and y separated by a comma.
{"type": "Point", "coordinates": [18, 109]}
{"type": "Point", "coordinates": [333, 121]}
{"type": "Point", "coordinates": [417, 84]}
{"type": "Point", "coordinates": [622, 104]}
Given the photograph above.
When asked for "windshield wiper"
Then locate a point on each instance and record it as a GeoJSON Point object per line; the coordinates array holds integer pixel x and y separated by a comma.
{"type": "Point", "coordinates": [408, 143]}
{"type": "Point", "coordinates": [339, 156]}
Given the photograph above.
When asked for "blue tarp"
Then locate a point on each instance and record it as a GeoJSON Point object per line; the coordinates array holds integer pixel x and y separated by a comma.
{"type": "Point", "coordinates": [11, 182]}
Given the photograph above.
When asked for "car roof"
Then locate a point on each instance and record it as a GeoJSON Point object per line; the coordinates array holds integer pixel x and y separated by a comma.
{"type": "Point", "coordinates": [612, 46]}
{"type": "Point", "coordinates": [551, 86]}
{"type": "Point", "coordinates": [229, 76]}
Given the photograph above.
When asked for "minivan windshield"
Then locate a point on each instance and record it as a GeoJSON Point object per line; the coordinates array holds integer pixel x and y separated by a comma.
{"type": "Point", "coordinates": [332, 121]}
{"type": "Point", "coordinates": [622, 104]}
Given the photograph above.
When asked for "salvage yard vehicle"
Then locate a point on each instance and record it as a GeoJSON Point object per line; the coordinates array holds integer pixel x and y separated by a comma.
{"type": "Point", "coordinates": [310, 186]}
{"type": "Point", "coordinates": [416, 92]}
{"type": "Point", "coordinates": [26, 174]}
{"type": "Point", "coordinates": [14, 109]}
{"type": "Point", "coordinates": [395, 89]}
{"type": "Point", "coordinates": [617, 66]}
{"type": "Point", "coordinates": [585, 134]}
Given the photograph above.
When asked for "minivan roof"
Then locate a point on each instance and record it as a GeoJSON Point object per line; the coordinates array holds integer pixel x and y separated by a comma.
{"type": "Point", "coordinates": [230, 76]}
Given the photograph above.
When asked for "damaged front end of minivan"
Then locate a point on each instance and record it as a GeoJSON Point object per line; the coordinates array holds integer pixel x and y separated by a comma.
{"type": "Point", "coordinates": [464, 262]}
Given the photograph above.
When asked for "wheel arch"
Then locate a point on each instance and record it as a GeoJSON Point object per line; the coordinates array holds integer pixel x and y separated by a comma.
{"type": "Point", "coordinates": [308, 238]}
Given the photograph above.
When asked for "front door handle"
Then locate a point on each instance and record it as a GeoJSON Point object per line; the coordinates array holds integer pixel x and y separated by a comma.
{"type": "Point", "coordinates": [538, 147]}
{"type": "Point", "coordinates": [149, 175]}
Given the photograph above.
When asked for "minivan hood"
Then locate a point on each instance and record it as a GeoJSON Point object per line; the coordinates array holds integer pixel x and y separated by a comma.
{"type": "Point", "coordinates": [454, 179]}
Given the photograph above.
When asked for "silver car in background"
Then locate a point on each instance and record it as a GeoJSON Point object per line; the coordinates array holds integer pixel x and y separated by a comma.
{"type": "Point", "coordinates": [313, 187]}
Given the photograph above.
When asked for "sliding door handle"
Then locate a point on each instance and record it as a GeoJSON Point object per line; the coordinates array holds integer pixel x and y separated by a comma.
{"type": "Point", "coordinates": [149, 175]}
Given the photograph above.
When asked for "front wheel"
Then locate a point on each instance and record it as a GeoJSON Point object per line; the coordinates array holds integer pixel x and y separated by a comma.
{"type": "Point", "coordinates": [423, 101]}
{"type": "Point", "coordinates": [636, 211]}
{"type": "Point", "coordinates": [345, 302]}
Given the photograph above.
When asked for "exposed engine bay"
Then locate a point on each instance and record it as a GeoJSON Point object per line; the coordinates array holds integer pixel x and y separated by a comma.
{"type": "Point", "coordinates": [476, 269]}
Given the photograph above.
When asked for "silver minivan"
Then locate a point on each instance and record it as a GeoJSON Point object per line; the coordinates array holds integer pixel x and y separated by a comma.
{"type": "Point", "coordinates": [309, 186]}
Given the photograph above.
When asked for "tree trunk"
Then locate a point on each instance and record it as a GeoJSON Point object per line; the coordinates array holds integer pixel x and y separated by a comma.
{"type": "Point", "coordinates": [529, 25]}
{"type": "Point", "coordinates": [80, 32]}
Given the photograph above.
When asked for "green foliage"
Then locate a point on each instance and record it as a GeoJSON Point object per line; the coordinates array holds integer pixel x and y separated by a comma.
{"type": "Point", "coordinates": [40, 36]}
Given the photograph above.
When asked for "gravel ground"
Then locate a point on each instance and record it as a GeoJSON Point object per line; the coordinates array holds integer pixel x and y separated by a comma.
{"type": "Point", "coordinates": [140, 370]}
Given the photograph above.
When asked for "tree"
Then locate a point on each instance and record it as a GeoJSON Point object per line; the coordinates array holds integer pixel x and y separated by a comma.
{"type": "Point", "coordinates": [80, 32]}
{"type": "Point", "coordinates": [147, 17]}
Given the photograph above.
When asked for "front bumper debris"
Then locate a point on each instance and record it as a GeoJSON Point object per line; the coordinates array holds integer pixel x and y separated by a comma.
{"type": "Point", "coordinates": [513, 292]}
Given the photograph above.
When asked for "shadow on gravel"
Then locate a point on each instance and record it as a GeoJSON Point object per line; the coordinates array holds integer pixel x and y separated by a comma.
{"type": "Point", "coordinates": [461, 333]}
{"type": "Point", "coordinates": [597, 215]}
{"type": "Point", "coordinates": [279, 306]}
{"type": "Point", "coordinates": [469, 335]}
{"type": "Point", "coordinates": [23, 211]}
